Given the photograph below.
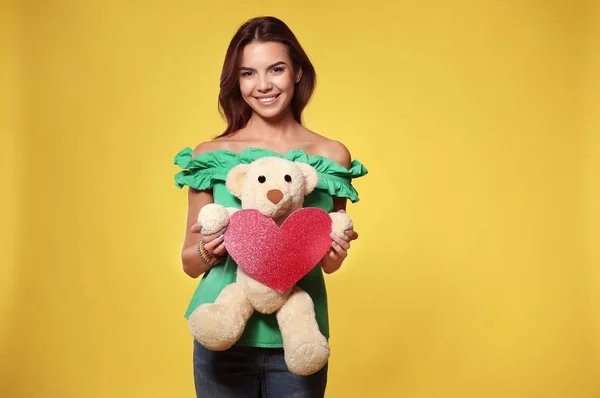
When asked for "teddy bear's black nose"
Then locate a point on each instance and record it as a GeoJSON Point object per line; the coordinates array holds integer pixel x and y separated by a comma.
{"type": "Point", "coordinates": [275, 195]}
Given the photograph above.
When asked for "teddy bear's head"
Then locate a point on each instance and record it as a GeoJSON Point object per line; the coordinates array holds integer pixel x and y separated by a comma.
{"type": "Point", "coordinates": [274, 186]}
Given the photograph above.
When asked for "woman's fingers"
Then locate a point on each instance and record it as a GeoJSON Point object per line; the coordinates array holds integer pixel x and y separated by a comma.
{"type": "Point", "coordinates": [337, 252]}
{"type": "Point", "coordinates": [220, 249]}
{"type": "Point", "coordinates": [209, 238]}
{"type": "Point", "coordinates": [339, 242]}
{"type": "Point", "coordinates": [339, 247]}
{"type": "Point", "coordinates": [213, 243]}
{"type": "Point", "coordinates": [351, 234]}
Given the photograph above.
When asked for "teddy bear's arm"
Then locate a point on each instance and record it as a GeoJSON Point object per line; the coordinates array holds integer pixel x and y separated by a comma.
{"type": "Point", "coordinates": [340, 222]}
{"type": "Point", "coordinates": [213, 218]}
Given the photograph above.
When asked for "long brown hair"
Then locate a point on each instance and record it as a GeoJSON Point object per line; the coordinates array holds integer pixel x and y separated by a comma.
{"type": "Point", "coordinates": [261, 29]}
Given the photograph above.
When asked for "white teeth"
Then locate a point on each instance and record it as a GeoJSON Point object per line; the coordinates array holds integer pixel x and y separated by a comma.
{"type": "Point", "coordinates": [266, 99]}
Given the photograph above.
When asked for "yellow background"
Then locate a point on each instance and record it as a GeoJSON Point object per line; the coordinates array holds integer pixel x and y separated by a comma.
{"type": "Point", "coordinates": [477, 271]}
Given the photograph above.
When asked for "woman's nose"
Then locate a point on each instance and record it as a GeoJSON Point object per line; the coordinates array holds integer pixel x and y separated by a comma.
{"type": "Point", "coordinates": [264, 84]}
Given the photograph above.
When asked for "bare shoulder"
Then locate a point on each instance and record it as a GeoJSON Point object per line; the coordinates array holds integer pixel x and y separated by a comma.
{"type": "Point", "coordinates": [210, 146]}
{"type": "Point", "coordinates": [334, 150]}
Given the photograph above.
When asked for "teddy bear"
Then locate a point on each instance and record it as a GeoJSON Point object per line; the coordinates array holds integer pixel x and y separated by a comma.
{"type": "Point", "coordinates": [276, 187]}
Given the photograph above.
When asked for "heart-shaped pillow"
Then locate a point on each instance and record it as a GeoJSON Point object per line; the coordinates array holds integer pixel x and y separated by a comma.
{"type": "Point", "coordinates": [278, 257]}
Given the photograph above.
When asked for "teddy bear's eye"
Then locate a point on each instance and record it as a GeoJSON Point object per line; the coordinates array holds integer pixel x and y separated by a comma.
{"type": "Point", "coordinates": [288, 178]}
{"type": "Point", "coordinates": [262, 179]}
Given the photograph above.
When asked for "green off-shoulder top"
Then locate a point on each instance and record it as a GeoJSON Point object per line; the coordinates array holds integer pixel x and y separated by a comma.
{"type": "Point", "coordinates": [208, 171]}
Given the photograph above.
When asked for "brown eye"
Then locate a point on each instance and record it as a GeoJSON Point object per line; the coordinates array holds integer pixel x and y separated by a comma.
{"type": "Point", "coordinates": [262, 179]}
{"type": "Point", "coordinates": [288, 178]}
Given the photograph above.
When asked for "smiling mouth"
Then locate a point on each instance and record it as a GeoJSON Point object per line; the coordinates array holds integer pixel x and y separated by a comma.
{"type": "Point", "coordinates": [267, 100]}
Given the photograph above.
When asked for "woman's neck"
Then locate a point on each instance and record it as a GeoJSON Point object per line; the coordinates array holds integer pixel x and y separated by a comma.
{"type": "Point", "coordinates": [272, 129]}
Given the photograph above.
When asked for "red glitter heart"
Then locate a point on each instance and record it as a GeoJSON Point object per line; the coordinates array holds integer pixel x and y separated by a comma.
{"type": "Point", "coordinates": [278, 257]}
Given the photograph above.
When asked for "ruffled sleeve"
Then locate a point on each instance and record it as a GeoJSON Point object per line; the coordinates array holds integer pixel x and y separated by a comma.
{"type": "Point", "coordinates": [336, 179]}
{"type": "Point", "coordinates": [203, 171]}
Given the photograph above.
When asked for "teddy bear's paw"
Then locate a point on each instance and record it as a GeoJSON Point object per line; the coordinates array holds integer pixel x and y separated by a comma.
{"type": "Point", "coordinates": [340, 223]}
{"type": "Point", "coordinates": [213, 218]}
{"type": "Point", "coordinates": [216, 326]}
{"type": "Point", "coordinates": [305, 358]}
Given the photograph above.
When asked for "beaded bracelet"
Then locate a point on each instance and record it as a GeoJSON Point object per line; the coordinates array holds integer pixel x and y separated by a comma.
{"type": "Point", "coordinates": [205, 255]}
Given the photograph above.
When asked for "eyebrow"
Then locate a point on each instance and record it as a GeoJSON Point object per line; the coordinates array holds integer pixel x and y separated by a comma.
{"type": "Point", "coordinates": [245, 68]}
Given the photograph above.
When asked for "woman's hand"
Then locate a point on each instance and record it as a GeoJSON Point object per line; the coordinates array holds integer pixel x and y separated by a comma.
{"type": "Point", "coordinates": [338, 252]}
{"type": "Point", "coordinates": [213, 244]}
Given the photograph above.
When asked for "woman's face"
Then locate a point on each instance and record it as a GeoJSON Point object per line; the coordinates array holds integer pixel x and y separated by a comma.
{"type": "Point", "coordinates": [267, 78]}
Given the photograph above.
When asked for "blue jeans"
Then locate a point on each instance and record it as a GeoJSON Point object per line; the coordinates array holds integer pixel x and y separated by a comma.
{"type": "Point", "coordinates": [250, 372]}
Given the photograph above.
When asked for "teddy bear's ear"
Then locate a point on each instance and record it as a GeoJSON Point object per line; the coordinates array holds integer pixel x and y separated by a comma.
{"type": "Point", "coordinates": [311, 177]}
{"type": "Point", "coordinates": [235, 178]}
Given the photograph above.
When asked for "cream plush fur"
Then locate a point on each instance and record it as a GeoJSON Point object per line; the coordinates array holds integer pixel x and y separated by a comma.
{"type": "Point", "coordinates": [262, 185]}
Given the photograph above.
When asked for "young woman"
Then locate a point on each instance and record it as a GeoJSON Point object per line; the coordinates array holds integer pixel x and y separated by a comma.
{"type": "Point", "coordinates": [266, 82]}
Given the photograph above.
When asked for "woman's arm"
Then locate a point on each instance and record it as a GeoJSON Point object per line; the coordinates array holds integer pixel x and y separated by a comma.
{"type": "Point", "coordinates": [339, 250]}
{"type": "Point", "coordinates": [192, 262]}
{"type": "Point", "coordinates": [334, 258]}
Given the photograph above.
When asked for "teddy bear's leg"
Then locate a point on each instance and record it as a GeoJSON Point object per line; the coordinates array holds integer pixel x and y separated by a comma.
{"type": "Point", "coordinates": [264, 299]}
{"type": "Point", "coordinates": [306, 349]}
{"type": "Point", "coordinates": [218, 326]}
